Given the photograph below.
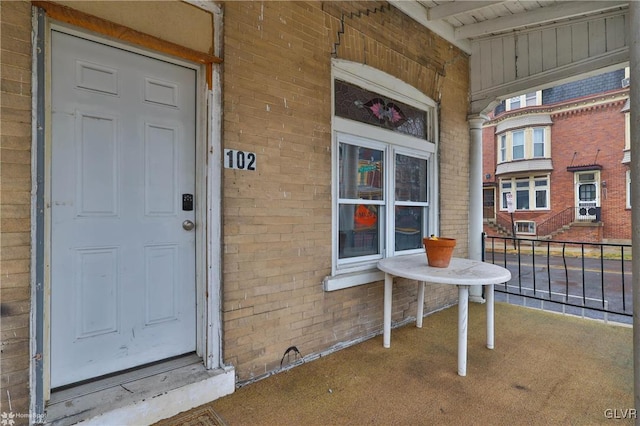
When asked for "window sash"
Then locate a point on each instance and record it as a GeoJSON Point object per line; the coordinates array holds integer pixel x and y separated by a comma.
{"type": "Point", "coordinates": [517, 145]}
{"type": "Point", "coordinates": [538, 142]}
{"type": "Point", "coordinates": [503, 148]}
{"type": "Point", "coordinates": [353, 271]}
{"type": "Point", "coordinates": [628, 188]}
{"type": "Point", "coordinates": [529, 194]}
{"type": "Point", "coordinates": [411, 201]}
{"type": "Point", "coordinates": [531, 99]}
{"type": "Point", "coordinates": [395, 215]}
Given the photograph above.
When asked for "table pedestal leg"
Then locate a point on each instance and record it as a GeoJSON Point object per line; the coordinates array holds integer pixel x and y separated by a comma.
{"type": "Point", "coordinates": [386, 319]}
{"type": "Point", "coordinates": [420, 312]}
{"type": "Point", "coordinates": [488, 289]}
{"type": "Point", "coordinates": [463, 313]}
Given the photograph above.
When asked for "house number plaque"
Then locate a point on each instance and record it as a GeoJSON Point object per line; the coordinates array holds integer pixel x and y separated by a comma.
{"type": "Point", "coordinates": [240, 160]}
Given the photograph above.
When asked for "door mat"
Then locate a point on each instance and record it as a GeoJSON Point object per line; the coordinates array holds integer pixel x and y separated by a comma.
{"type": "Point", "coordinates": [199, 416]}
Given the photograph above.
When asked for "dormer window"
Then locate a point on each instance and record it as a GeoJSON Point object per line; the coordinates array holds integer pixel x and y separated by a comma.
{"type": "Point", "coordinates": [524, 100]}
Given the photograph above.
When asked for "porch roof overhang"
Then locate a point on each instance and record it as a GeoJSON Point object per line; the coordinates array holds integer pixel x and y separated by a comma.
{"type": "Point", "coordinates": [505, 40]}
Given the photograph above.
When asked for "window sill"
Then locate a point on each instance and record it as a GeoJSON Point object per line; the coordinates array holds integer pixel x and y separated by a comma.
{"type": "Point", "coordinates": [342, 281]}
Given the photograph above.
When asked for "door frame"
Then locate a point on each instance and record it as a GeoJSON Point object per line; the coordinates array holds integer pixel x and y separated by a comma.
{"type": "Point", "coordinates": [206, 347]}
{"type": "Point", "coordinates": [576, 192]}
{"type": "Point", "coordinates": [493, 190]}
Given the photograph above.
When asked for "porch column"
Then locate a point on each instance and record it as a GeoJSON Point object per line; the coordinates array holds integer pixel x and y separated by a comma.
{"type": "Point", "coordinates": [634, 102]}
{"type": "Point", "coordinates": [475, 197]}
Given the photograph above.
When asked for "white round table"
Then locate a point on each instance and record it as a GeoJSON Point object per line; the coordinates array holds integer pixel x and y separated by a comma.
{"type": "Point", "coordinates": [460, 272]}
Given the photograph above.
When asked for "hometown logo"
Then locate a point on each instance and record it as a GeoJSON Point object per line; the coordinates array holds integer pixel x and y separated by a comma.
{"type": "Point", "coordinates": [7, 419]}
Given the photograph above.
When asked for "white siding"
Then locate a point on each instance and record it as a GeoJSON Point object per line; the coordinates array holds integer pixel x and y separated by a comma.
{"type": "Point", "coordinates": [516, 62]}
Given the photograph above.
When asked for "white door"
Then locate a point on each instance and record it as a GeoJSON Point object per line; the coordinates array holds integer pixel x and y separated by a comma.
{"type": "Point", "coordinates": [122, 156]}
{"type": "Point", "coordinates": [587, 195]}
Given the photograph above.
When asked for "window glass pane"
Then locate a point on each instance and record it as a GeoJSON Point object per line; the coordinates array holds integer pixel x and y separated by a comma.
{"type": "Point", "coordinates": [531, 99]}
{"type": "Point", "coordinates": [586, 177]}
{"type": "Point", "coordinates": [522, 200]}
{"type": "Point", "coordinates": [411, 178]}
{"type": "Point", "coordinates": [587, 192]}
{"type": "Point", "coordinates": [515, 102]}
{"type": "Point", "coordinates": [522, 194]}
{"type": "Point", "coordinates": [538, 142]}
{"type": "Point", "coordinates": [409, 227]}
{"type": "Point", "coordinates": [541, 199]}
{"type": "Point", "coordinates": [361, 172]}
{"type": "Point", "coordinates": [505, 189]}
{"type": "Point", "coordinates": [503, 148]}
{"type": "Point", "coordinates": [518, 145]}
{"type": "Point", "coordinates": [359, 230]}
{"type": "Point", "coordinates": [359, 104]}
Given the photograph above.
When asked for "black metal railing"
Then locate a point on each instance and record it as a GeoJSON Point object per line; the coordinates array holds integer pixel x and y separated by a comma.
{"type": "Point", "coordinates": [557, 221]}
{"type": "Point", "coordinates": [588, 279]}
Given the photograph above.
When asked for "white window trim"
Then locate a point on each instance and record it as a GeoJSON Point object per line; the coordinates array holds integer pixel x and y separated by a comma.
{"type": "Point", "coordinates": [596, 181]}
{"type": "Point", "coordinates": [523, 100]}
{"type": "Point", "coordinates": [528, 144]}
{"type": "Point", "coordinates": [532, 192]}
{"type": "Point", "coordinates": [628, 189]}
{"type": "Point", "coordinates": [517, 224]}
{"type": "Point", "coordinates": [533, 142]}
{"type": "Point", "coordinates": [357, 273]}
{"type": "Point", "coordinates": [524, 144]}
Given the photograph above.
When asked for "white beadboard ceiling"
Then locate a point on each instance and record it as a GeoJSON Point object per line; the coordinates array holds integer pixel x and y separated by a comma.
{"type": "Point", "coordinates": [462, 21]}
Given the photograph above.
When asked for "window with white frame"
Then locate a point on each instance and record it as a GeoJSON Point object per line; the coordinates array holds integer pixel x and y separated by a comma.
{"type": "Point", "coordinates": [505, 188]}
{"type": "Point", "coordinates": [526, 227]}
{"type": "Point", "coordinates": [628, 189]}
{"type": "Point", "coordinates": [538, 142]}
{"type": "Point", "coordinates": [517, 145]}
{"type": "Point", "coordinates": [529, 193]}
{"type": "Point", "coordinates": [523, 144]}
{"type": "Point", "coordinates": [524, 100]}
{"type": "Point", "coordinates": [503, 148]}
{"type": "Point", "coordinates": [384, 182]}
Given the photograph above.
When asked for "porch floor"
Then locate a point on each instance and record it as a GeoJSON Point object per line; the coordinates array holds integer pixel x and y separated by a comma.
{"type": "Point", "coordinates": [545, 369]}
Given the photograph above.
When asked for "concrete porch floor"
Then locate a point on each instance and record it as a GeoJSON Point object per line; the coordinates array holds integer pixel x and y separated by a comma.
{"type": "Point", "coordinates": [546, 369]}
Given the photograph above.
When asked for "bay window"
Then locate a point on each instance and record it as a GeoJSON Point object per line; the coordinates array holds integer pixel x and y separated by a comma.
{"type": "Point", "coordinates": [523, 144]}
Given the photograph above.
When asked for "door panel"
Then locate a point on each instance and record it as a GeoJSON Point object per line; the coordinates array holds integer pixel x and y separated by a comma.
{"type": "Point", "coordinates": [123, 153]}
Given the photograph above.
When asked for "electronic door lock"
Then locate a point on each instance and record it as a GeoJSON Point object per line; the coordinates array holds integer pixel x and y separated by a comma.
{"type": "Point", "coordinates": [187, 202]}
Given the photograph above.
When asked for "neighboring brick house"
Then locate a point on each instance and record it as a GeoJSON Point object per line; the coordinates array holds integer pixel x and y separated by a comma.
{"type": "Point", "coordinates": [124, 239]}
{"type": "Point", "coordinates": [563, 155]}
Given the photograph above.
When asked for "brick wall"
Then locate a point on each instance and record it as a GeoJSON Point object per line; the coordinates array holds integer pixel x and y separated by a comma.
{"type": "Point", "coordinates": [588, 133]}
{"type": "Point", "coordinates": [277, 221]}
{"type": "Point", "coordinates": [15, 225]}
{"type": "Point", "coordinates": [582, 133]}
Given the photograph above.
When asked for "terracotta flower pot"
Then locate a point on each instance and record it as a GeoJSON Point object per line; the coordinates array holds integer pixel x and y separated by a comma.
{"type": "Point", "coordinates": [439, 250]}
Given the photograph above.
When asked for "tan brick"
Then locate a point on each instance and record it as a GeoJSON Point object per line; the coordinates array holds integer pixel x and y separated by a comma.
{"type": "Point", "coordinates": [15, 253]}
{"type": "Point", "coordinates": [15, 239]}
{"type": "Point", "coordinates": [14, 280]}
